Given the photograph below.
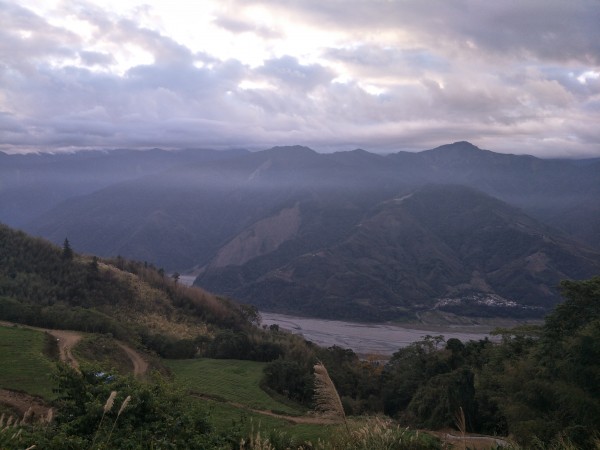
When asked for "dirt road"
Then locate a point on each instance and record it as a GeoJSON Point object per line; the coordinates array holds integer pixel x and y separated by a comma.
{"type": "Point", "coordinates": [64, 339]}
{"type": "Point", "coordinates": [67, 339]}
{"type": "Point", "coordinates": [308, 419]}
{"type": "Point", "coordinates": [140, 365]}
{"type": "Point", "coordinates": [313, 420]}
{"type": "Point", "coordinates": [472, 441]}
{"type": "Point", "coordinates": [21, 402]}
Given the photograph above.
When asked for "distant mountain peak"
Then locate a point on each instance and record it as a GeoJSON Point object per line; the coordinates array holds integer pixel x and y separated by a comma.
{"type": "Point", "coordinates": [459, 145]}
{"type": "Point", "coordinates": [465, 144]}
{"type": "Point", "coordinates": [292, 156]}
{"type": "Point", "coordinates": [292, 149]}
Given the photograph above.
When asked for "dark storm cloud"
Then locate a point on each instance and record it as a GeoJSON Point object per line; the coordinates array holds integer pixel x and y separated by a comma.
{"type": "Point", "coordinates": [548, 29]}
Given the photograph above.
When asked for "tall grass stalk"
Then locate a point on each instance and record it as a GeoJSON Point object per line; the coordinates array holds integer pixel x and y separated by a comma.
{"type": "Point", "coordinates": [378, 433]}
{"type": "Point", "coordinates": [327, 400]}
{"type": "Point", "coordinates": [461, 424]}
{"type": "Point", "coordinates": [49, 417]}
{"type": "Point", "coordinates": [255, 442]}
{"type": "Point", "coordinates": [27, 415]}
{"type": "Point", "coordinates": [107, 407]}
{"type": "Point", "coordinates": [121, 409]}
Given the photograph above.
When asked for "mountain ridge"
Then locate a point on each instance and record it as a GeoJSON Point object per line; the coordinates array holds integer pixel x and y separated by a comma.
{"type": "Point", "coordinates": [204, 214]}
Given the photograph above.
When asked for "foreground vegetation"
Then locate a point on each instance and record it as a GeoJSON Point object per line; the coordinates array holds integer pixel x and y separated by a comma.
{"type": "Point", "coordinates": [100, 411]}
{"type": "Point", "coordinates": [539, 385]}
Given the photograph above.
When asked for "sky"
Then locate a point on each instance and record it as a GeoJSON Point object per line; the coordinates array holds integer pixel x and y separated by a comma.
{"type": "Point", "coordinates": [512, 76]}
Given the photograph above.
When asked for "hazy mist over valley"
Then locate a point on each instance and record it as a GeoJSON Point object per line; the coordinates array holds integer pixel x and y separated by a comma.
{"type": "Point", "coordinates": [344, 235]}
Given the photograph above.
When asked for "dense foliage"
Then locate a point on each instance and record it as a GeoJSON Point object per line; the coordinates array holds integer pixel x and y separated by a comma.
{"type": "Point", "coordinates": [539, 384]}
{"type": "Point", "coordinates": [136, 416]}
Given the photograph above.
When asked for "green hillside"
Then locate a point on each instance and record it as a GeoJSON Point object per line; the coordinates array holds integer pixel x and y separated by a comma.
{"type": "Point", "coordinates": [47, 286]}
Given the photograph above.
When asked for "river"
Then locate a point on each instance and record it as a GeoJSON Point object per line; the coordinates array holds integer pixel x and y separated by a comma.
{"type": "Point", "coordinates": [381, 339]}
{"type": "Point", "coordinates": [188, 280]}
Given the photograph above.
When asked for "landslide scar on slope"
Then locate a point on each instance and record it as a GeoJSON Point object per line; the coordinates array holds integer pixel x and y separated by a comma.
{"type": "Point", "coordinates": [261, 238]}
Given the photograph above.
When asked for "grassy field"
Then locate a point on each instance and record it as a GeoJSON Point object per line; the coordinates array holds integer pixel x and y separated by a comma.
{"type": "Point", "coordinates": [227, 390]}
{"type": "Point", "coordinates": [24, 366]}
{"type": "Point", "coordinates": [231, 380]}
{"type": "Point", "coordinates": [238, 382]}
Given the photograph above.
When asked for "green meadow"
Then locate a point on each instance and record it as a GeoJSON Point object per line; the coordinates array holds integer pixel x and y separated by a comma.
{"type": "Point", "coordinates": [220, 383]}
{"type": "Point", "coordinates": [230, 380]}
{"type": "Point", "coordinates": [25, 366]}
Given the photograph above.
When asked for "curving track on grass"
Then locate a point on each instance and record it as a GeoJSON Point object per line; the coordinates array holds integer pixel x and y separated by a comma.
{"type": "Point", "coordinates": [306, 419]}
{"type": "Point", "coordinates": [140, 365]}
{"type": "Point", "coordinates": [66, 340]}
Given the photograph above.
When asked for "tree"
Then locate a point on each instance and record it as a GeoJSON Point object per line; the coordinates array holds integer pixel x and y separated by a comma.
{"type": "Point", "coordinates": [437, 401]}
{"type": "Point", "coordinates": [67, 253]}
{"type": "Point", "coordinates": [548, 385]}
{"type": "Point", "coordinates": [289, 378]}
{"type": "Point", "coordinates": [93, 266]}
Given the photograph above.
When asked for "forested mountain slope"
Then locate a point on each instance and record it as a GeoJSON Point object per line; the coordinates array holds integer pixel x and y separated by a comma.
{"type": "Point", "coordinates": [440, 247]}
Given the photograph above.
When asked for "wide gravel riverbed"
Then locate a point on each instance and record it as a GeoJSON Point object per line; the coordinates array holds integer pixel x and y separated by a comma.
{"type": "Point", "coordinates": [382, 339]}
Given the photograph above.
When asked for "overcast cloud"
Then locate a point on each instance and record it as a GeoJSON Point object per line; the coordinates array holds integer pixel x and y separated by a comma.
{"type": "Point", "coordinates": [519, 76]}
